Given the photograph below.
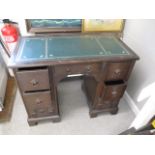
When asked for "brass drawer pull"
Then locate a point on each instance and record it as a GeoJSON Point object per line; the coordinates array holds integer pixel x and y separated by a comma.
{"type": "Point", "coordinates": [118, 71]}
{"type": "Point", "coordinates": [114, 93]}
{"type": "Point", "coordinates": [34, 82]}
{"type": "Point", "coordinates": [38, 101]}
{"type": "Point", "coordinates": [68, 70]}
{"type": "Point", "coordinates": [88, 69]}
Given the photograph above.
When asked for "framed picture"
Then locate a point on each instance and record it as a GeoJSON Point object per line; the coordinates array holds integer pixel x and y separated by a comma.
{"type": "Point", "coordinates": [53, 25]}
{"type": "Point", "coordinates": [102, 25]}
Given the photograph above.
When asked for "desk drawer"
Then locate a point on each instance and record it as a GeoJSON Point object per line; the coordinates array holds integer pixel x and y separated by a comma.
{"type": "Point", "coordinates": [78, 69]}
{"type": "Point", "coordinates": [116, 71]}
{"type": "Point", "coordinates": [33, 80]}
{"type": "Point", "coordinates": [111, 93]}
{"type": "Point", "coordinates": [38, 104]}
{"type": "Point", "coordinates": [113, 90]}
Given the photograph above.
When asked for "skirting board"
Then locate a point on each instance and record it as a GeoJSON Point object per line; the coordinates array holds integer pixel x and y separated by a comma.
{"type": "Point", "coordinates": [131, 103]}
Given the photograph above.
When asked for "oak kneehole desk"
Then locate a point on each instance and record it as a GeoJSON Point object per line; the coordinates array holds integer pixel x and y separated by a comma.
{"type": "Point", "coordinates": [40, 63]}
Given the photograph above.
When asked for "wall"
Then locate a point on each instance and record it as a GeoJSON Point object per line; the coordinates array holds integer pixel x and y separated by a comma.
{"type": "Point", "coordinates": [139, 35]}
{"type": "Point", "coordinates": [22, 26]}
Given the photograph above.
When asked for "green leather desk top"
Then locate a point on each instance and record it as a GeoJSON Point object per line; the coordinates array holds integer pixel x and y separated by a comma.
{"type": "Point", "coordinates": [68, 47]}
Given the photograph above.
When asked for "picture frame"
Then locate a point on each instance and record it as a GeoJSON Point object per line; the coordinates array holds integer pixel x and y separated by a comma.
{"type": "Point", "coordinates": [103, 25]}
{"type": "Point", "coordinates": [53, 25]}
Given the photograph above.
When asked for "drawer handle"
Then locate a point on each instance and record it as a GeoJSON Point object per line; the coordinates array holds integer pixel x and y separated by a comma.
{"type": "Point", "coordinates": [34, 82]}
{"type": "Point", "coordinates": [114, 93]}
{"type": "Point", "coordinates": [118, 71]}
{"type": "Point", "coordinates": [68, 70]}
{"type": "Point", "coordinates": [88, 69]}
{"type": "Point", "coordinates": [38, 101]}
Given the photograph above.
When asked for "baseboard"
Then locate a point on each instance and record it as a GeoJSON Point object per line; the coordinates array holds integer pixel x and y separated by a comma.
{"type": "Point", "coordinates": [131, 103]}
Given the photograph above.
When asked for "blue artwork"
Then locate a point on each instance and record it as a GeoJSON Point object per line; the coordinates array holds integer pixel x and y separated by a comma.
{"type": "Point", "coordinates": [55, 23]}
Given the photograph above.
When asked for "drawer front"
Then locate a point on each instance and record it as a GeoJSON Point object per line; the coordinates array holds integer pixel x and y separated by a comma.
{"type": "Point", "coordinates": [110, 94]}
{"type": "Point", "coordinates": [33, 80]}
{"type": "Point", "coordinates": [38, 104]}
{"type": "Point", "coordinates": [114, 92]}
{"type": "Point", "coordinates": [116, 71]}
{"type": "Point", "coordinates": [78, 69]}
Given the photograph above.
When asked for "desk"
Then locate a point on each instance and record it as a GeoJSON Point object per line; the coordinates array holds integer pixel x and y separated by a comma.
{"type": "Point", "coordinates": [40, 63]}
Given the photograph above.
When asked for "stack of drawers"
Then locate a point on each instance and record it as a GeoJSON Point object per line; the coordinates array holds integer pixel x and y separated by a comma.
{"type": "Point", "coordinates": [36, 92]}
{"type": "Point", "coordinates": [110, 89]}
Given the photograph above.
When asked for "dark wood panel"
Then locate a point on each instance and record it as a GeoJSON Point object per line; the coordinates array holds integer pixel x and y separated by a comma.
{"type": "Point", "coordinates": [90, 84]}
{"type": "Point", "coordinates": [117, 71]}
{"type": "Point", "coordinates": [113, 91]}
{"type": "Point", "coordinates": [38, 104]}
{"type": "Point", "coordinates": [78, 68]}
{"type": "Point", "coordinates": [33, 80]}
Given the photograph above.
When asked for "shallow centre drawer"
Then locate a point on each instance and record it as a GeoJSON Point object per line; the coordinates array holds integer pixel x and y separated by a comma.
{"type": "Point", "coordinates": [78, 69]}
{"type": "Point", "coordinates": [32, 80]}
{"type": "Point", "coordinates": [38, 103]}
{"type": "Point", "coordinates": [116, 71]}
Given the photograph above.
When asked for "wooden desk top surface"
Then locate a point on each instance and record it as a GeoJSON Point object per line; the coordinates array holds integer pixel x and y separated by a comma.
{"type": "Point", "coordinates": [59, 48]}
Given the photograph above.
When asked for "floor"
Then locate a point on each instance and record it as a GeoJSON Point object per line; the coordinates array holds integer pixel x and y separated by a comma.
{"type": "Point", "coordinates": [74, 112]}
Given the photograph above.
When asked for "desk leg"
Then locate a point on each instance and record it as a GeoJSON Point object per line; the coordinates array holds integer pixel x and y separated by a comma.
{"type": "Point", "coordinates": [35, 121]}
{"type": "Point", "coordinates": [114, 111]}
{"type": "Point", "coordinates": [92, 114]}
{"type": "Point", "coordinates": [32, 123]}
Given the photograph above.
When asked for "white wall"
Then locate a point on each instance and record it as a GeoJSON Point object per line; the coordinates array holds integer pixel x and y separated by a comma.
{"type": "Point", "coordinates": [22, 27]}
{"type": "Point", "coordinates": [140, 36]}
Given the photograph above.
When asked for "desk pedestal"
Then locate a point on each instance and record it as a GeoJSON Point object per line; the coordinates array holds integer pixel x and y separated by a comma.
{"type": "Point", "coordinates": [103, 82]}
